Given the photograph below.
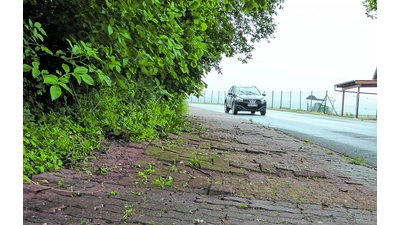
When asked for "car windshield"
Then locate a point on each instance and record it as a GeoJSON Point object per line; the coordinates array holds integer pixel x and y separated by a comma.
{"type": "Point", "coordinates": [247, 91]}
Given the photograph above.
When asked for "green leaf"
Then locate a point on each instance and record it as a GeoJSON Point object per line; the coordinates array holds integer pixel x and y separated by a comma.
{"type": "Point", "coordinates": [80, 70]}
{"type": "Point", "coordinates": [121, 80]}
{"type": "Point", "coordinates": [203, 26]}
{"type": "Point", "coordinates": [76, 50]}
{"type": "Point", "coordinates": [88, 79]}
{"type": "Point", "coordinates": [64, 79]}
{"type": "Point", "coordinates": [126, 35]}
{"type": "Point", "coordinates": [66, 87]}
{"type": "Point", "coordinates": [110, 30]}
{"type": "Point", "coordinates": [55, 92]}
{"type": "Point", "coordinates": [107, 80]}
{"type": "Point", "coordinates": [118, 68]}
{"type": "Point", "coordinates": [38, 25]}
{"type": "Point", "coordinates": [45, 49]}
{"type": "Point", "coordinates": [50, 79]}
{"type": "Point", "coordinates": [27, 68]}
{"type": "Point", "coordinates": [65, 67]}
{"type": "Point", "coordinates": [35, 72]}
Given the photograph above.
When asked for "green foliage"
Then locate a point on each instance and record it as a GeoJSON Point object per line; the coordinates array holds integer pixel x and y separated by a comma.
{"type": "Point", "coordinates": [371, 8]}
{"type": "Point", "coordinates": [358, 161]}
{"type": "Point", "coordinates": [163, 182]}
{"type": "Point", "coordinates": [120, 68]}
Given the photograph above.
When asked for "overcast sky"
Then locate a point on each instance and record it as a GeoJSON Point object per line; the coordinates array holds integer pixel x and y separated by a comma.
{"type": "Point", "coordinates": [317, 44]}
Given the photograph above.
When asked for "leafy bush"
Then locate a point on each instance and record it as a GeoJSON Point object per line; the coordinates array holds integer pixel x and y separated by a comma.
{"type": "Point", "coordinates": [117, 68]}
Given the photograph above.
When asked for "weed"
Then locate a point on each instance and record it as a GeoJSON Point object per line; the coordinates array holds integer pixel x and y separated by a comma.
{"type": "Point", "coordinates": [163, 182]}
{"type": "Point", "coordinates": [149, 169]}
{"type": "Point", "coordinates": [195, 161]}
{"type": "Point", "coordinates": [144, 198]}
{"type": "Point", "coordinates": [185, 184]}
{"type": "Point", "coordinates": [88, 172]}
{"type": "Point", "coordinates": [60, 182]}
{"type": "Point", "coordinates": [272, 191]}
{"type": "Point", "coordinates": [136, 193]}
{"type": "Point", "coordinates": [307, 141]}
{"type": "Point", "coordinates": [142, 175]}
{"type": "Point", "coordinates": [103, 170]}
{"type": "Point", "coordinates": [243, 206]}
{"type": "Point", "coordinates": [358, 161]}
{"type": "Point", "coordinates": [329, 152]}
{"type": "Point", "coordinates": [113, 192]}
{"type": "Point", "coordinates": [128, 211]}
{"type": "Point", "coordinates": [218, 182]}
{"type": "Point", "coordinates": [173, 169]}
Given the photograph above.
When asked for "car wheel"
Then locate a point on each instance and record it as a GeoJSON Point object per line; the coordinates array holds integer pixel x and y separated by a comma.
{"type": "Point", "coordinates": [252, 112]}
{"type": "Point", "coordinates": [234, 109]}
{"type": "Point", "coordinates": [226, 108]}
{"type": "Point", "coordinates": [263, 113]}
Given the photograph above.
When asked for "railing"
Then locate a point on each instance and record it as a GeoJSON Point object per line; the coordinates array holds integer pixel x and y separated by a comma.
{"type": "Point", "coordinates": [329, 103]}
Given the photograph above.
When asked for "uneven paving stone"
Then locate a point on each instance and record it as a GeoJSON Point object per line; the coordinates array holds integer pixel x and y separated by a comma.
{"type": "Point", "coordinates": [230, 171]}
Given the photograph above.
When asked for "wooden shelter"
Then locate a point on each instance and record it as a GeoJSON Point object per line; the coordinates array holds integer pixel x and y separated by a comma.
{"type": "Point", "coordinates": [357, 84]}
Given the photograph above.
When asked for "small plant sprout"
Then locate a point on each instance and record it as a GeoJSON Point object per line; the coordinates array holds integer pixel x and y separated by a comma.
{"type": "Point", "coordinates": [173, 169]}
{"type": "Point", "coordinates": [128, 211]}
{"type": "Point", "coordinates": [307, 141]}
{"type": "Point", "coordinates": [103, 170]}
{"type": "Point", "coordinates": [358, 161]}
{"type": "Point", "coordinates": [149, 169]}
{"type": "Point", "coordinates": [243, 206]}
{"type": "Point", "coordinates": [113, 192]}
{"type": "Point", "coordinates": [142, 175]}
{"type": "Point", "coordinates": [163, 182]}
{"type": "Point", "coordinates": [60, 182]}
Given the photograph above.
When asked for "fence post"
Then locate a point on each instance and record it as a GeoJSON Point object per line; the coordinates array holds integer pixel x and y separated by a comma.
{"type": "Point", "coordinates": [218, 98]}
{"type": "Point", "coordinates": [290, 101]}
{"type": "Point", "coordinates": [211, 96]}
{"type": "Point", "coordinates": [326, 96]}
{"type": "Point", "coordinates": [272, 105]}
{"type": "Point", "coordinates": [280, 106]}
{"type": "Point", "coordinates": [300, 100]}
{"type": "Point", "coordinates": [205, 96]}
{"type": "Point", "coordinates": [311, 102]}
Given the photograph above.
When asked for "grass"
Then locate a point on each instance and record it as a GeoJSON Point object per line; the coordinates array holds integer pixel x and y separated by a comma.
{"type": "Point", "coordinates": [358, 161]}
{"type": "Point", "coordinates": [243, 206]}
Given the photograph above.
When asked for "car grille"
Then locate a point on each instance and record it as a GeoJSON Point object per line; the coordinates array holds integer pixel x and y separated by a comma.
{"type": "Point", "coordinates": [252, 101]}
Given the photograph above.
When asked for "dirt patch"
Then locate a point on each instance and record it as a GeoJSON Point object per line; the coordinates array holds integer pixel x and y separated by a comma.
{"type": "Point", "coordinates": [221, 156]}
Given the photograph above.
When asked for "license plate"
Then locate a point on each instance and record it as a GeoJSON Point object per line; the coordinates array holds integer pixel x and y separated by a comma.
{"type": "Point", "coordinates": [252, 105]}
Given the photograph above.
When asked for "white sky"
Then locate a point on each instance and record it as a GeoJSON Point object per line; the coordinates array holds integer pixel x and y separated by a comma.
{"type": "Point", "coordinates": [317, 44]}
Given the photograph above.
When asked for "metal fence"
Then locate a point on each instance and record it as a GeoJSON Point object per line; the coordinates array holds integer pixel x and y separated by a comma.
{"type": "Point", "coordinates": [327, 102]}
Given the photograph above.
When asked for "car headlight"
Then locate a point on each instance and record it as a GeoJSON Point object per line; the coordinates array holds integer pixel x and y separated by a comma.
{"type": "Point", "coordinates": [239, 99]}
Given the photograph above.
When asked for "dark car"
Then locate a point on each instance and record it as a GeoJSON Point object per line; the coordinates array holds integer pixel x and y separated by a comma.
{"type": "Point", "coordinates": [245, 98]}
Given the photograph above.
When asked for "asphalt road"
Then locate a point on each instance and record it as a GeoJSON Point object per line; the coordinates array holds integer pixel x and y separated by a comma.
{"type": "Point", "coordinates": [351, 137]}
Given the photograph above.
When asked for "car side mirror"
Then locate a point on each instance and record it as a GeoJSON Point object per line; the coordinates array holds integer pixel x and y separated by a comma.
{"type": "Point", "coordinates": [229, 93]}
{"type": "Point", "coordinates": [263, 94]}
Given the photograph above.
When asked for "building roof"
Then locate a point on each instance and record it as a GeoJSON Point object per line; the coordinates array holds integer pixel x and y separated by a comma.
{"type": "Point", "coordinates": [357, 83]}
